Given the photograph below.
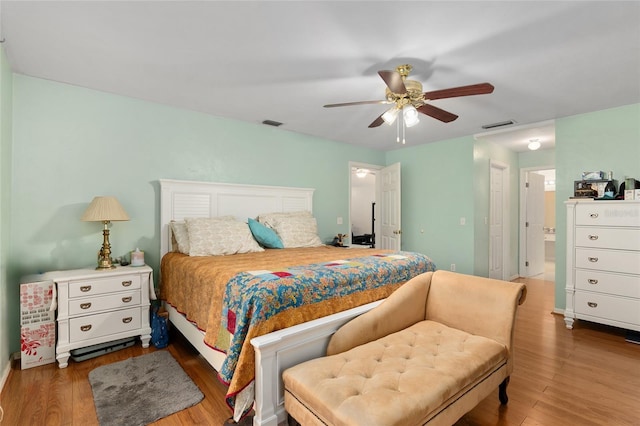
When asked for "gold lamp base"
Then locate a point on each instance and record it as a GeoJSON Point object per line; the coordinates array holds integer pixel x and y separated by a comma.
{"type": "Point", "coordinates": [104, 255]}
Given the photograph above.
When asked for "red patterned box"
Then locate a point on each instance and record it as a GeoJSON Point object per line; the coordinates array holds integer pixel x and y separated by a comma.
{"type": "Point", "coordinates": [37, 344]}
{"type": "Point", "coordinates": [38, 327]}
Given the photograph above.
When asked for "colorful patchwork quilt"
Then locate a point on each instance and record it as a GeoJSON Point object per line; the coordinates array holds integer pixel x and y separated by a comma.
{"type": "Point", "coordinates": [259, 301]}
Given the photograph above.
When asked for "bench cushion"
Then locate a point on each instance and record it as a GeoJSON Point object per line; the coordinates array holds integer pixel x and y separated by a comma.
{"type": "Point", "coordinates": [415, 371]}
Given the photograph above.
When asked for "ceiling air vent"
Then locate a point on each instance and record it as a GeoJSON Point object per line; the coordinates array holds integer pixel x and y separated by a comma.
{"type": "Point", "coordinates": [500, 124]}
{"type": "Point", "coordinates": [272, 123]}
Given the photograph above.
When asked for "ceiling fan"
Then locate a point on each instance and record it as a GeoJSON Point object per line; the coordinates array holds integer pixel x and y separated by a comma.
{"type": "Point", "coordinates": [407, 96]}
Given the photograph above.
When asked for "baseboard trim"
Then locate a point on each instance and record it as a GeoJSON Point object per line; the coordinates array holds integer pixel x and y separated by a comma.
{"type": "Point", "coordinates": [5, 373]}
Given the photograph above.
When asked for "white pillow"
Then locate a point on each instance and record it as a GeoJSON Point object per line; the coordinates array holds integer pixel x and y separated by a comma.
{"type": "Point", "coordinates": [268, 218]}
{"type": "Point", "coordinates": [211, 237]}
{"type": "Point", "coordinates": [181, 236]}
{"type": "Point", "coordinates": [297, 231]}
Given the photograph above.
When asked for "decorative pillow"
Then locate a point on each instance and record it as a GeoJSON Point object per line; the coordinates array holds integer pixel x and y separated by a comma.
{"type": "Point", "coordinates": [211, 237]}
{"type": "Point", "coordinates": [265, 236]}
{"type": "Point", "coordinates": [297, 231]}
{"type": "Point", "coordinates": [268, 218]}
{"type": "Point", "coordinates": [179, 232]}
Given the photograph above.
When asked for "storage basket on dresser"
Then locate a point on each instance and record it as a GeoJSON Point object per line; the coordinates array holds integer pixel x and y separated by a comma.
{"type": "Point", "coordinates": [603, 263]}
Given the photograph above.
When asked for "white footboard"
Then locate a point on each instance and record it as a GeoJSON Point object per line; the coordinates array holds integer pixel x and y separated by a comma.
{"type": "Point", "coordinates": [277, 351]}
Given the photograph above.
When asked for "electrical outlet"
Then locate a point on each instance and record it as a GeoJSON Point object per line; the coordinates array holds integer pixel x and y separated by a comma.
{"type": "Point", "coordinates": [339, 220]}
{"type": "Point", "coordinates": [453, 267]}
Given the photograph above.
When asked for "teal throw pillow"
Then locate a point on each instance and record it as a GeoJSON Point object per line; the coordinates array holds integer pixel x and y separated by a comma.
{"type": "Point", "coordinates": [266, 237]}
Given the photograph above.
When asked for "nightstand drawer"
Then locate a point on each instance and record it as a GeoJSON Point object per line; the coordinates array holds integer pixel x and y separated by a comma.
{"type": "Point", "coordinates": [94, 326]}
{"type": "Point", "coordinates": [102, 303]}
{"type": "Point", "coordinates": [92, 287]}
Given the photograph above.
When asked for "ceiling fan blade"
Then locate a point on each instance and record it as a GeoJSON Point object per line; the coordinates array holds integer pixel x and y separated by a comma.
{"type": "Point", "coordinates": [378, 121]}
{"type": "Point", "coordinates": [394, 81]}
{"type": "Point", "coordinates": [355, 103]}
{"type": "Point", "coordinates": [437, 113]}
{"type": "Point", "coordinates": [473, 89]}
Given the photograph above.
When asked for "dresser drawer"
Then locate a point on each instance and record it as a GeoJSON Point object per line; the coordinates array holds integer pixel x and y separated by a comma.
{"type": "Point", "coordinates": [608, 307]}
{"type": "Point", "coordinates": [626, 262]}
{"type": "Point", "coordinates": [95, 286]}
{"type": "Point", "coordinates": [98, 325]}
{"type": "Point", "coordinates": [604, 282]}
{"type": "Point", "coordinates": [83, 306]}
{"type": "Point", "coordinates": [618, 238]}
{"type": "Point", "coordinates": [601, 214]}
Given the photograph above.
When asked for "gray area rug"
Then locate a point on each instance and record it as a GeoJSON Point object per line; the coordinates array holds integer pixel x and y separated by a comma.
{"type": "Point", "coordinates": [141, 390]}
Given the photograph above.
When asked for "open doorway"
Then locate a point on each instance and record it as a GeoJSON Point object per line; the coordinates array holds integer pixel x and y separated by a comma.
{"type": "Point", "coordinates": [363, 209]}
{"type": "Point", "coordinates": [538, 262]}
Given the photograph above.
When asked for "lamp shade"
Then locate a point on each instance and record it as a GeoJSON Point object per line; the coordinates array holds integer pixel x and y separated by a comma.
{"type": "Point", "coordinates": [104, 209]}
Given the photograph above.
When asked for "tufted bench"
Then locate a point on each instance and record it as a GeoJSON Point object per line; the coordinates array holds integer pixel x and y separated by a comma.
{"type": "Point", "coordinates": [427, 355]}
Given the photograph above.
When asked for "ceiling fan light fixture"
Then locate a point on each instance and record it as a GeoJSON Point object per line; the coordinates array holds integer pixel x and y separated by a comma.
{"type": "Point", "coordinates": [410, 115]}
{"type": "Point", "coordinates": [390, 115]}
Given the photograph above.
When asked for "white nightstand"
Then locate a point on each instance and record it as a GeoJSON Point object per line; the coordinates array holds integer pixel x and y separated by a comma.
{"type": "Point", "coordinates": [101, 306]}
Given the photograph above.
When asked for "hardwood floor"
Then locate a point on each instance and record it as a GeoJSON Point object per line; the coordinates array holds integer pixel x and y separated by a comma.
{"type": "Point", "coordinates": [586, 376]}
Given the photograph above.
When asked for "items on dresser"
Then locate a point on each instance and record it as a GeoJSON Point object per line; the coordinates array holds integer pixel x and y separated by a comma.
{"type": "Point", "coordinates": [37, 322]}
{"type": "Point", "coordinates": [99, 306]}
{"type": "Point", "coordinates": [603, 263]}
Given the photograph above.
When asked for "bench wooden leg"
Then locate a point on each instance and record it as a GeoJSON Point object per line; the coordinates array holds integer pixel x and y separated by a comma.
{"type": "Point", "coordinates": [291, 421]}
{"type": "Point", "coordinates": [502, 391]}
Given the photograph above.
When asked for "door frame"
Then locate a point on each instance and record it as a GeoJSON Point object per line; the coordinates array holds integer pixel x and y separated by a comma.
{"type": "Point", "coordinates": [373, 167]}
{"type": "Point", "coordinates": [506, 201]}
{"type": "Point", "coordinates": [522, 243]}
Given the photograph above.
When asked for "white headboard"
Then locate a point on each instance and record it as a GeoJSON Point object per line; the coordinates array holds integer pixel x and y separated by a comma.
{"type": "Point", "coordinates": [180, 199]}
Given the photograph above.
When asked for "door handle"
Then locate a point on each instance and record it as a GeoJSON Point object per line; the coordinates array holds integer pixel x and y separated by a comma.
{"type": "Point", "coordinates": [593, 259]}
{"type": "Point", "coordinates": [126, 283]}
{"type": "Point", "coordinates": [127, 320]}
{"type": "Point", "coordinates": [592, 304]}
{"type": "Point", "coordinates": [85, 305]}
{"type": "Point", "coordinates": [127, 299]}
{"type": "Point", "coordinates": [85, 288]}
{"type": "Point", "coordinates": [85, 327]}
{"type": "Point", "coordinates": [592, 281]}
{"type": "Point", "coordinates": [593, 237]}
{"type": "Point", "coordinates": [593, 215]}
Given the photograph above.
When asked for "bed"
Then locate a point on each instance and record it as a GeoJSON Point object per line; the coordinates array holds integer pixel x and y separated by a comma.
{"type": "Point", "coordinates": [265, 310]}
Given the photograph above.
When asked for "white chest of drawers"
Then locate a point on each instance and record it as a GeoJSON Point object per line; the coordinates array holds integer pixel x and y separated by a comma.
{"type": "Point", "coordinates": [101, 306]}
{"type": "Point", "coordinates": [603, 263]}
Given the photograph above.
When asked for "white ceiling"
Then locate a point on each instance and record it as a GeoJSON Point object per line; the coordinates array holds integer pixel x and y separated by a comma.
{"type": "Point", "coordinates": [257, 60]}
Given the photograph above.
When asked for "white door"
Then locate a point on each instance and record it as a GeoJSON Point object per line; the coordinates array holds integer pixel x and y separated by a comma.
{"type": "Point", "coordinates": [497, 207]}
{"type": "Point", "coordinates": [390, 231]}
{"type": "Point", "coordinates": [534, 224]}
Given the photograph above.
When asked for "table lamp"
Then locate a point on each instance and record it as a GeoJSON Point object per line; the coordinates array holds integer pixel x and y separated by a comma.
{"type": "Point", "coordinates": [105, 210]}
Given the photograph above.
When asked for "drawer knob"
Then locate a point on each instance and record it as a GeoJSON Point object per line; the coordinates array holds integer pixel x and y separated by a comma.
{"type": "Point", "coordinates": [127, 299]}
{"type": "Point", "coordinates": [593, 215]}
{"type": "Point", "coordinates": [592, 304]}
{"type": "Point", "coordinates": [85, 305]}
{"type": "Point", "coordinates": [592, 281]}
{"type": "Point", "coordinates": [593, 259]}
{"type": "Point", "coordinates": [85, 288]}
{"type": "Point", "coordinates": [85, 327]}
{"type": "Point", "coordinates": [593, 237]}
{"type": "Point", "coordinates": [126, 283]}
{"type": "Point", "coordinates": [127, 320]}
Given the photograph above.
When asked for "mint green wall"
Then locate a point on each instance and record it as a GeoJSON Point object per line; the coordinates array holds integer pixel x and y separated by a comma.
{"type": "Point", "coordinates": [7, 291]}
{"type": "Point", "coordinates": [606, 140]}
{"type": "Point", "coordinates": [437, 181]}
{"type": "Point", "coordinates": [71, 144]}
{"type": "Point", "coordinates": [483, 153]}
